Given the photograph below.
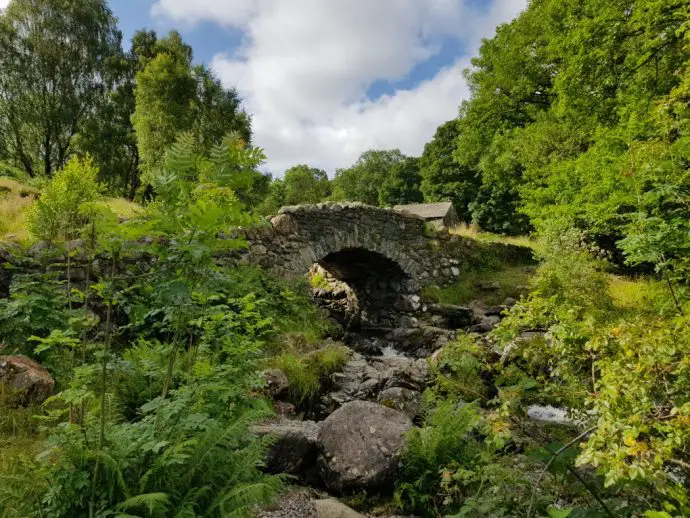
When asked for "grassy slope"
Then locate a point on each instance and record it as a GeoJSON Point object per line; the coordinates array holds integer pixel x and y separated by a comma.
{"type": "Point", "coordinates": [17, 197]}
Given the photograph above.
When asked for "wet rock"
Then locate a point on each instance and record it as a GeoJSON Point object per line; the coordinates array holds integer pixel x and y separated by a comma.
{"type": "Point", "coordinates": [364, 379]}
{"type": "Point", "coordinates": [277, 383]}
{"type": "Point", "coordinates": [332, 508]}
{"type": "Point", "coordinates": [455, 317]}
{"type": "Point", "coordinates": [407, 401]}
{"type": "Point", "coordinates": [359, 446]}
{"type": "Point", "coordinates": [419, 341]}
{"type": "Point", "coordinates": [509, 302]}
{"type": "Point", "coordinates": [23, 382]}
{"type": "Point", "coordinates": [485, 325]}
{"type": "Point", "coordinates": [294, 450]}
{"type": "Point", "coordinates": [284, 409]}
{"type": "Point", "coordinates": [496, 311]}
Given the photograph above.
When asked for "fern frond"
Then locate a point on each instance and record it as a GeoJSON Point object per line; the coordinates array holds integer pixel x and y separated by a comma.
{"type": "Point", "coordinates": [241, 500]}
{"type": "Point", "coordinates": [153, 502]}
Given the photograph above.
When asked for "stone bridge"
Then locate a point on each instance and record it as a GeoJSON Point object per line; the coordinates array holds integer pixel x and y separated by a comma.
{"type": "Point", "coordinates": [384, 256]}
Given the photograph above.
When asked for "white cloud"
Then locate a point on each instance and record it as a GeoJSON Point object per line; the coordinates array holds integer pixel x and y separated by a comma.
{"type": "Point", "coordinates": [4, 3]}
{"type": "Point", "coordinates": [306, 65]}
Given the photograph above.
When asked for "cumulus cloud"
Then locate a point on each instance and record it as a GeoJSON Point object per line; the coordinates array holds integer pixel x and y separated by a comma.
{"type": "Point", "coordinates": [305, 68]}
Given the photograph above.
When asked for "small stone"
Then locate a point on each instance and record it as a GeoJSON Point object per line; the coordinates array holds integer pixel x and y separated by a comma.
{"type": "Point", "coordinates": [284, 409]}
{"type": "Point", "coordinates": [403, 400]}
{"type": "Point", "coordinates": [277, 382]}
{"type": "Point", "coordinates": [258, 249]}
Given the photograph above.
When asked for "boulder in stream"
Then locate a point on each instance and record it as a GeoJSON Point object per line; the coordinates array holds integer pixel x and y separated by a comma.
{"type": "Point", "coordinates": [359, 446]}
{"type": "Point", "coordinates": [364, 379]}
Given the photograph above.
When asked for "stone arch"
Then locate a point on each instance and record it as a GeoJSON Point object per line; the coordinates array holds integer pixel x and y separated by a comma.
{"type": "Point", "coordinates": [386, 241]}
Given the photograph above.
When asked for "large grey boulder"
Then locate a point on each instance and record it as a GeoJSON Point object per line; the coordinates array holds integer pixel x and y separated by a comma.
{"type": "Point", "coordinates": [23, 382]}
{"type": "Point", "coordinates": [294, 448]}
{"type": "Point", "coordinates": [359, 446]}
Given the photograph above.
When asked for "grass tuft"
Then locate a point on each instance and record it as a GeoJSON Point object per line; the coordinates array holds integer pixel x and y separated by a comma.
{"type": "Point", "coordinates": [304, 373]}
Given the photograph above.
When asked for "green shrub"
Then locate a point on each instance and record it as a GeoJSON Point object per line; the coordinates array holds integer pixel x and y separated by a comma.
{"type": "Point", "coordinates": [305, 372]}
{"type": "Point", "coordinates": [463, 369]}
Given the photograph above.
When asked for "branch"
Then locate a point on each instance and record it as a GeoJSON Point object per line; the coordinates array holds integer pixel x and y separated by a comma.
{"type": "Point", "coordinates": [548, 465]}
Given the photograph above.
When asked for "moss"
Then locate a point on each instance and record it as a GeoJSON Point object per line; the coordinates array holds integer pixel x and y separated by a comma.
{"type": "Point", "coordinates": [318, 281]}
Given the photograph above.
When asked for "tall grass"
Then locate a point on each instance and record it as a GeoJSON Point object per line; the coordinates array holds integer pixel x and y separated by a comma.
{"type": "Point", "coordinates": [474, 232]}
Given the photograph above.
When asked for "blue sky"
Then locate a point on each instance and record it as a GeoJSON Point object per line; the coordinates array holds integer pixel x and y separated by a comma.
{"type": "Point", "coordinates": [325, 80]}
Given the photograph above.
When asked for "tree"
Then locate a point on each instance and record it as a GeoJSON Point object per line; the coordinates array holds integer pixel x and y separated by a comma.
{"type": "Point", "coordinates": [304, 184]}
{"type": "Point", "coordinates": [54, 56]}
{"type": "Point", "coordinates": [444, 179]}
{"type": "Point", "coordinates": [402, 185]}
{"type": "Point", "coordinates": [108, 135]}
{"type": "Point", "coordinates": [173, 96]}
{"type": "Point", "coordinates": [362, 181]}
{"type": "Point", "coordinates": [165, 91]}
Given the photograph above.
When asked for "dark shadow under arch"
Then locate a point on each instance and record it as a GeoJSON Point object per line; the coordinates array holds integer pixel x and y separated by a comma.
{"type": "Point", "coordinates": [378, 286]}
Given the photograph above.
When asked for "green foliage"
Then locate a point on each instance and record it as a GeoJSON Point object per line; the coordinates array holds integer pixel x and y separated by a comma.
{"type": "Point", "coordinates": [305, 372]}
{"type": "Point", "coordinates": [362, 182]}
{"type": "Point", "coordinates": [36, 306]}
{"type": "Point", "coordinates": [60, 211]}
{"type": "Point", "coordinates": [318, 281]}
{"type": "Point", "coordinates": [615, 358]}
{"type": "Point", "coordinates": [163, 427]}
{"type": "Point", "coordinates": [402, 185]}
{"type": "Point", "coordinates": [442, 177]}
{"type": "Point", "coordinates": [304, 184]}
{"type": "Point", "coordinates": [463, 369]}
{"type": "Point", "coordinates": [54, 57]}
{"type": "Point", "coordinates": [165, 90]}
{"type": "Point", "coordinates": [588, 127]}
{"type": "Point", "coordinates": [173, 97]}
